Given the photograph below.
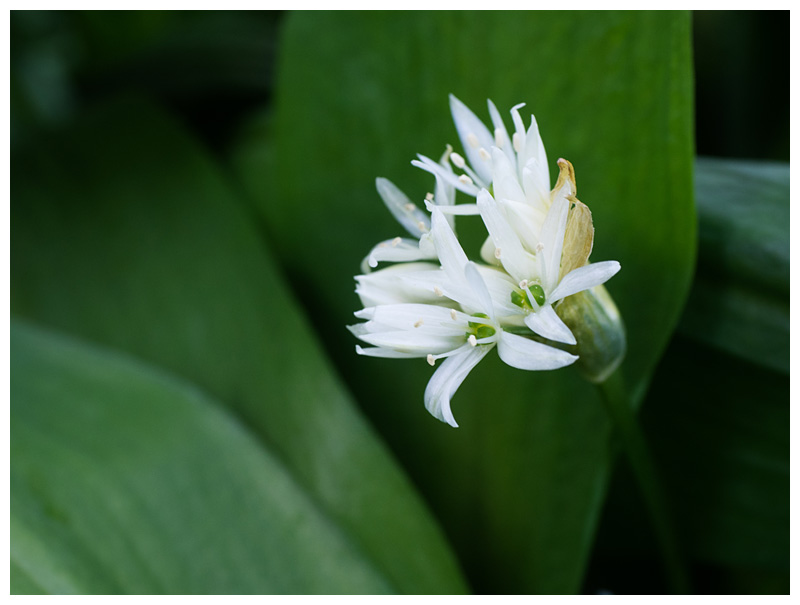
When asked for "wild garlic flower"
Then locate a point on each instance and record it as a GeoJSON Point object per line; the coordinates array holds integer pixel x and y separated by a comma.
{"type": "Point", "coordinates": [537, 251]}
{"type": "Point", "coordinates": [463, 332]}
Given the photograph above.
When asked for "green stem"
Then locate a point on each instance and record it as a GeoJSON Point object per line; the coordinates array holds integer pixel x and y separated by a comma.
{"type": "Point", "coordinates": [624, 419]}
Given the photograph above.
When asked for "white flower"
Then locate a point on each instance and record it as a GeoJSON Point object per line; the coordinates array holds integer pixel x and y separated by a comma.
{"type": "Point", "coordinates": [538, 272]}
{"type": "Point", "coordinates": [418, 330]}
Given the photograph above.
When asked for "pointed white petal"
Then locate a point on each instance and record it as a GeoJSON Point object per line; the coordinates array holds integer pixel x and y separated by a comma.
{"type": "Point", "coordinates": [384, 286]}
{"type": "Point", "coordinates": [406, 212]}
{"type": "Point", "coordinates": [502, 139]}
{"type": "Point", "coordinates": [525, 220]}
{"type": "Point", "coordinates": [479, 288]}
{"type": "Point", "coordinates": [488, 253]}
{"type": "Point", "coordinates": [444, 197]}
{"type": "Point", "coordinates": [546, 323]}
{"type": "Point", "coordinates": [500, 286]}
{"type": "Point", "coordinates": [584, 278]}
{"type": "Point", "coordinates": [448, 377]}
{"type": "Point", "coordinates": [451, 255]}
{"type": "Point", "coordinates": [467, 123]}
{"type": "Point", "coordinates": [395, 250]}
{"type": "Point", "coordinates": [458, 209]}
{"type": "Point", "coordinates": [419, 318]}
{"type": "Point", "coordinates": [525, 354]}
{"type": "Point", "coordinates": [506, 184]}
{"type": "Point", "coordinates": [436, 169]}
{"type": "Point", "coordinates": [534, 150]}
{"type": "Point", "coordinates": [536, 183]}
{"type": "Point", "coordinates": [553, 230]}
{"type": "Point", "coordinates": [516, 261]}
{"type": "Point", "coordinates": [380, 352]}
{"type": "Point", "coordinates": [406, 341]}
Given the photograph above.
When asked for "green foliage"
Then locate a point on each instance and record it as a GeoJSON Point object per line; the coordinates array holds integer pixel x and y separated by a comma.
{"type": "Point", "coordinates": [519, 486]}
{"type": "Point", "coordinates": [126, 234]}
{"type": "Point", "coordinates": [740, 300]}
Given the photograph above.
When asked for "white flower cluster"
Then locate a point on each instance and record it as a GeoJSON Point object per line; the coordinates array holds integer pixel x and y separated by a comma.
{"type": "Point", "coordinates": [435, 303]}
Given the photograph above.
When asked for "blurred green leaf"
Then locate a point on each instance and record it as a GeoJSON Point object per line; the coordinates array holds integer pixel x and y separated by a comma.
{"type": "Point", "coordinates": [125, 480]}
{"type": "Point", "coordinates": [719, 427]}
{"type": "Point", "coordinates": [126, 234]}
{"type": "Point", "coordinates": [740, 299]}
{"type": "Point", "coordinates": [519, 486]}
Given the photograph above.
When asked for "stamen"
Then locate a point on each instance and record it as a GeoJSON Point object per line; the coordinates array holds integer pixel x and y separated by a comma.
{"type": "Point", "coordinates": [429, 196]}
{"type": "Point", "coordinates": [539, 247]}
{"type": "Point", "coordinates": [484, 155]}
{"type": "Point", "coordinates": [431, 360]}
{"type": "Point", "coordinates": [497, 252]}
{"type": "Point", "coordinates": [396, 241]}
{"type": "Point", "coordinates": [523, 284]}
{"type": "Point", "coordinates": [457, 160]}
{"type": "Point", "coordinates": [422, 227]}
{"type": "Point", "coordinates": [499, 138]}
{"type": "Point", "coordinates": [465, 179]}
{"type": "Point", "coordinates": [472, 340]}
{"type": "Point", "coordinates": [409, 207]}
{"type": "Point", "coordinates": [438, 291]}
{"type": "Point", "coordinates": [453, 314]}
{"type": "Point", "coordinates": [383, 245]}
{"type": "Point", "coordinates": [473, 140]}
{"type": "Point", "coordinates": [418, 323]}
{"type": "Point", "coordinates": [516, 139]}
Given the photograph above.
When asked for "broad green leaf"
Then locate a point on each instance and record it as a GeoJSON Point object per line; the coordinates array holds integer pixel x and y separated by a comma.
{"type": "Point", "coordinates": [519, 485]}
{"type": "Point", "coordinates": [126, 480]}
{"type": "Point", "coordinates": [740, 299]}
{"type": "Point", "coordinates": [126, 234]}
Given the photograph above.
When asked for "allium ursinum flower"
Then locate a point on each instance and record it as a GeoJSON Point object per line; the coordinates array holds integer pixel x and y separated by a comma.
{"type": "Point", "coordinates": [414, 220]}
{"type": "Point", "coordinates": [463, 333]}
{"type": "Point", "coordinates": [515, 168]}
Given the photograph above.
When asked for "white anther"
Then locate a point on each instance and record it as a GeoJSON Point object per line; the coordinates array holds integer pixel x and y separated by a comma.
{"type": "Point", "coordinates": [465, 179]}
{"type": "Point", "coordinates": [438, 291]}
{"type": "Point", "coordinates": [473, 140]}
{"type": "Point", "coordinates": [422, 227]}
{"type": "Point", "coordinates": [484, 155]}
{"type": "Point", "coordinates": [453, 314]}
{"type": "Point", "coordinates": [431, 360]}
{"type": "Point", "coordinates": [472, 340]}
{"type": "Point", "coordinates": [396, 241]}
{"type": "Point", "coordinates": [457, 160]}
{"type": "Point", "coordinates": [409, 207]}
{"type": "Point", "coordinates": [418, 323]}
{"type": "Point", "coordinates": [539, 247]}
{"type": "Point", "coordinates": [497, 252]}
{"type": "Point", "coordinates": [523, 284]}
{"type": "Point", "coordinates": [516, 139]}
{"type": "Point", "coordinates": [429, 197]}
{"type": "Point", "coordinates": [499, 138]}
{"type": "Point", "coordinates": [383, 245]}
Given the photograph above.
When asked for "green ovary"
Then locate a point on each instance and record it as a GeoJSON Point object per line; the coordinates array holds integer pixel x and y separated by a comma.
{"type": "Point", "coordinates": [520, 297]}
{"type": "Point", "coordinates": [479, 329]}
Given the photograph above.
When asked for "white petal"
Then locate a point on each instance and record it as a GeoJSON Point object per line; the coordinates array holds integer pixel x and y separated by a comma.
{"type": "Point", "coordinates": [553, 230]}
{"type": "Point", "coordinates": [385, 286]}
{"type": "Point", "coordinates": [468, 123]}
{"type": "Point", "coordinates": [458, 209]}
{"type": "Point", "coordinates": [451, 255]}
{"type": "Point", "coordinates": [447, 378]}
{"type": "Point", "coordinates": [525, 220]}
{"type": "Point", "coordinates": [516, 261]}
{"type": "Point", "coordinates": [546, 323]}
{"type": "Point", "coordinates": [395, 250]}
{"type": "Point", "coordinates": [536, 183]}
{"type": "Point", "coordinates": [500, 127]}
{"type": "Point", "coordinates": [418, 318]}
{"type": "Point", "coordinates": [406, 341]}
{"type": "Point", "coordinates": [444, 197]}
{"type": "Point", "coordinates": [505, 183]}
{"type": "Point", "coordinates": [534, 150]}
{"type": "Point", "coordinates": [430, 166]}
{"type": "Point", "coordinates": [479, 288]}
{"type": "Point", "coordinates": [380, 352]}
{"type": "Point", "coordinates": [584, 278]}
{"type": "Point", "coordinates": [406, 213]}
{"type": "Point", "coordinates": [526, 354]}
